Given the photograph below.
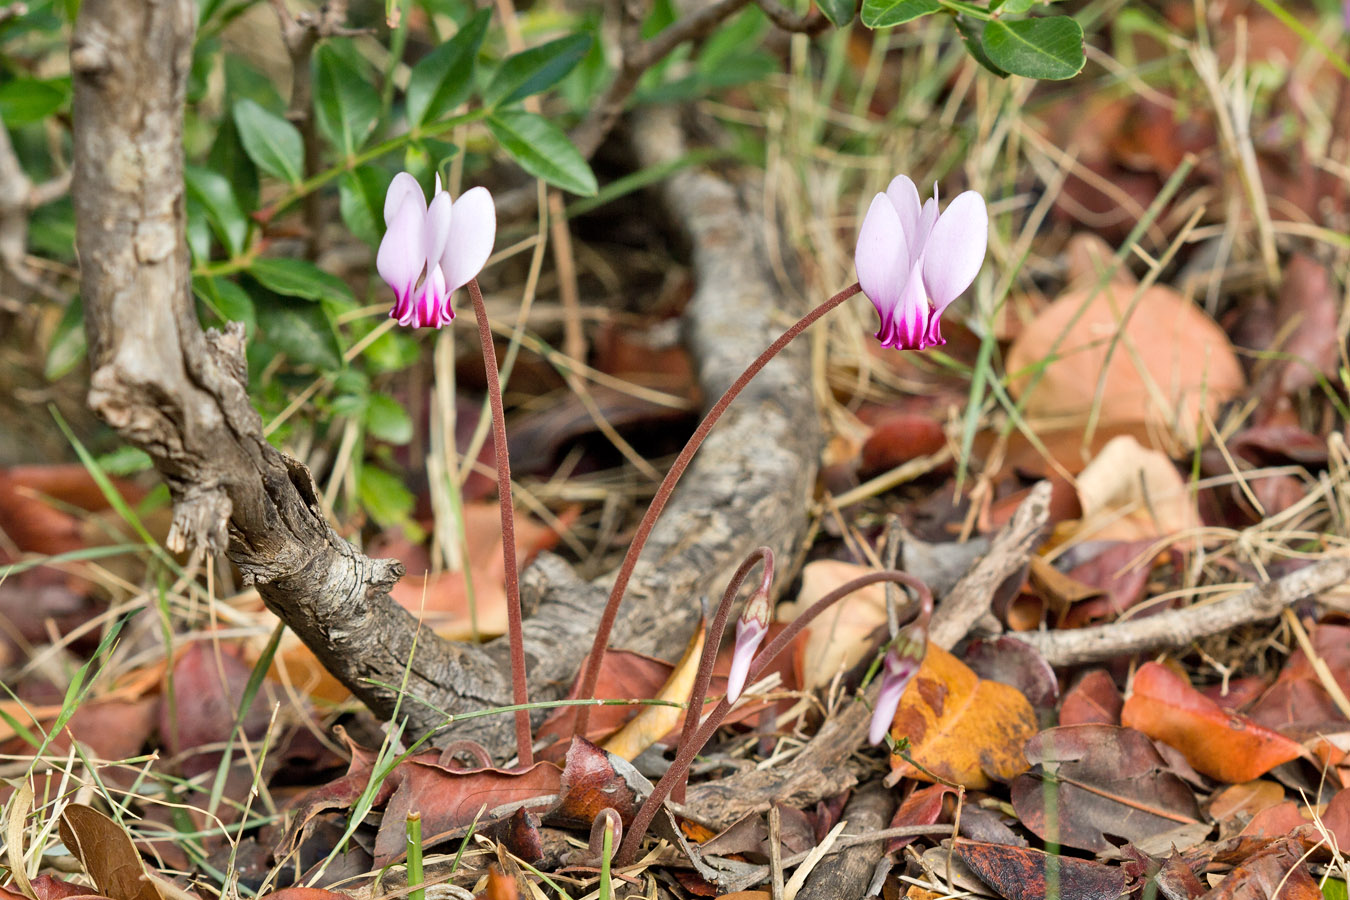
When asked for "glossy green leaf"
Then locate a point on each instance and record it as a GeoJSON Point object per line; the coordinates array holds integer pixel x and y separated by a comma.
{"type": "Point", "coordinates": [24, 101]}
{"type": "Point", "coordinates": [972, 35]}
{"type": "Point", "coordinates": [536, 69]}
{"type": "Point", "coordinates": [299, 278]}
{"type": "Point", "coordinates": [216, 196]}
{"type": "Point", "coordinates": [227, 301]}
{"type": "Point", "coordinates": [1050, 48]}
{"type": "Point", "coordinates": [301, 331]}
{"type": "Point", "coordinates": [68, 347]}
{"type": "Point", "coordinates": [270, 141]}
{"type": "Point", "coordinates": [441, 80]}
{"type": "Point", "coordinates": [839, 12]}
{"type": "Point", "coordinates": [385, 496]}
{"type": "Point", "coordinates": [387, 420]}
{"type": "Point", "coordinates": [1013, 7]}
{"type": "Point", "coordinates": [885, 13]}
{"type": "Point", "coordinates": [542, 150]}
{"type": "Point", "coordinates": [361, 202]}
{"type": "Point", "coordinates": [345, 101]}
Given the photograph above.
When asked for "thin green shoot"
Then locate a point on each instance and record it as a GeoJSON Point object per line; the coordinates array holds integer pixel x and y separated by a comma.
{"type": "Point", "coordinates": [415, 877]}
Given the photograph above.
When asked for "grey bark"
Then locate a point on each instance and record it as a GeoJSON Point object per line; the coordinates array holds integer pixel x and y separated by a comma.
{"type": "Point", "coordinates": [181, 395]}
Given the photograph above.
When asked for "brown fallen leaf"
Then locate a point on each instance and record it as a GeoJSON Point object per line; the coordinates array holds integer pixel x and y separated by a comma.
{"type": "Point", "coordinates": [960, 727]}
{"type": "Point", "coordinates": [1090, 781]}
{"type": "Point", "coordinates": [1276, 821]}
{"type": "Point", "coordinates": [1019, 873]}
{"type": "Point", "coordinates": [107, 853]}
{"type": "Point", "coordinates": [1131, 493]}
{"type": "Point", "coordinates": [1225, 746]}
{"type": "Point", "coordinates": [592, 780]}
{"type": "Point", "coordinates": [838, 638]}
{"type": "Point", "coordinates": [1276, 871]}
{"type": "Point", "coordinates": [1237, 804]}
{"type": "Point", "coordinates": [923, 806]}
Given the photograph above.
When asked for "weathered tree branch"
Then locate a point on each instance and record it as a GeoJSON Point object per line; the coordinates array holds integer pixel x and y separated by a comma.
{"type": "Point", "coordinates": [181, 395]}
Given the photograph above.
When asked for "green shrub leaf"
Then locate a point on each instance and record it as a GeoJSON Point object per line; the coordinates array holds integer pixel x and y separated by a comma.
{"type": "Point", "coordinates": [542, 150]}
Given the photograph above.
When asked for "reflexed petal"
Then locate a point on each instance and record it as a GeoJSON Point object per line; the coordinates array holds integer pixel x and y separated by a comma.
{"type": "Point", "coordinates": [924, 230]}
{"type": "Point", "coordinates": [956, 249]}
{"type": "Point", "coordinates": [473, 231]}
{"type": "Point", "coordinates": [749, 635]}
{"type": "Point", "coordinates": [881, 257]}
{"type": "Point", "coordinates": [904, 196]}
{"type": "Point", "coordinates": [906, 326]}
{"type": "Point", "coordinates": [438, 228]}
{"type": "Point", "coordinates": [402, 253]}
{"type": "Point", "coordinates": [402, 188]}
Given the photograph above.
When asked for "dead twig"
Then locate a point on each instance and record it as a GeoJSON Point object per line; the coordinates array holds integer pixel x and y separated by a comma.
{"type": "Point", "coordinates": [1179, 627]}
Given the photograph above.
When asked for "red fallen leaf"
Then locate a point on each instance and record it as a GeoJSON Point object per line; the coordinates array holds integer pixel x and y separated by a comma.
{"type": "Point", "coordinates": [1121, 572]}
{"type": "Point", "coordinates": [1093, 700]}
{"type": "Point", "coordinates": [1238, 693]}
{"type": "Point", "coordinates": [204, 708]}
{"type": "Point", "coordinates": [922, 807]}
{"type": "Point", "coordinates": [1224, 746]}
{"type": "Point", "coordinates": [48, 888]}
{"type": "Point", "coordinates": [1019, 873]}
{"type": "Point", "coordinates": [1276, 821]}
{"type": "Point", "coordinates": [1235, 806]}
{"type": "Point", "coordinates": [520, 835]}
{"type": "Point", "coordinates": [1272, 872]}
{"type": "Point", "coordinates": [1015, 663]}
{"type": "Point", "coordinates": [1311, 298]}
{"type": "Point", "coordinates": [897, 437]}
{"type": "Point", "coordinates": [1336, 819]}
{"type": "Point", "coordinates": [33, 523]}
{"type": "Point", "coordinates": [1277, 443]}
{"type": "Point", "coordinates": [1296, 703]}
{"type": "Point", "coordinates": [1089, 781]}
{"type": "Point", "coordinates": [451, 799]}
{"type": "Point", "coordinates": [592, 780]}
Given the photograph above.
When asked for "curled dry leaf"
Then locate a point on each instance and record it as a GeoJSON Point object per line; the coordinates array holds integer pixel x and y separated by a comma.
{"type": "Point", "coordinates": [838, 638]}
{"type": "Point", "coordinates": [1276, 871]}
{"type": "Point", "coordinates": [654, 722]}
{"type": "Point", "coordinates": [1130, 493]}
{"type": "Point", "coordinates": [961, 728]}
{"type": "Point", "coordinates": [1019, 873]}
{"type": "Point", "coordinates": [593, 780]}
{"type": "Point", "coordinates": [107, 853]}
{"type": "Point", "coordinates": [1171, 362]}
{"type": "Point", "coordinates": [1223, 745]}
{"type": "Point", "coordinates": [1090, 781]}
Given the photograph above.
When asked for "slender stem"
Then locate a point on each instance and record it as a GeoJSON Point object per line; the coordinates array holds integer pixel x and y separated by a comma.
{"type": "Point", "coordinates": [685, 755]}
{"type": "Point", "coordinates": [667, 487]}
{"type": "Point", "coordinates": [699, 692]}
{"type": "Point", "coordinates": [415, 876]}
{"type": "Point", "coordinates": [519, 689]}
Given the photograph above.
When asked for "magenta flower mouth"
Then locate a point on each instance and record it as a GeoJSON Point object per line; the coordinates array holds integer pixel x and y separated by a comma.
{"type": "Point", "coordinates": [912, 263]}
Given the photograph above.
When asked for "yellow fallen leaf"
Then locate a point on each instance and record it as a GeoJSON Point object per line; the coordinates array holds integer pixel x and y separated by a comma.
{"type": "Point", "coordinates": [962, 728]}
{"type": "Point", "coordinates": [655, 722]}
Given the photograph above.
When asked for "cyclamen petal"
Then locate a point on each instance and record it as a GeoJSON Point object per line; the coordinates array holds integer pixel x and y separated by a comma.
{"type": "Point", "coordinates": [401, 188]}
{"type": "Point", "coordinates": [473, 231]}
{"type": "Point", "coordinates": [906, 327]}
{"type": "Point", "coordinates": [749, 635]}
{"type": "Point", "coordinates": [904, 196]}
{"type": "Point", "coordinates": [882, 257]}
{"type": "Point", "coordinates": [956, 249]}
{"type": "Point", "coordinates": [402, 253]}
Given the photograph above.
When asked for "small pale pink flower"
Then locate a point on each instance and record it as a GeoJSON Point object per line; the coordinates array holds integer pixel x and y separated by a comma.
{"type": "Point", "coordinates": [903, 658]}
{"type": "Point", "coordinates": [912, 263]}
{"type": "Point", "coordinates": [429, 252]}
{"type": "Point", "coordinates": [751, 628]}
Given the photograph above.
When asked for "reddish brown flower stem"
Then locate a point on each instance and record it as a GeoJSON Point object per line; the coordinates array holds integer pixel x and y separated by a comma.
{"type": "Point", "coordinates": [699, 692]}
{"type": "Point", "coordinates": [679, 769]}
{"type": "Point", "coordinates": [519, 688]}
{"type": "Point", "coordinates": [592, 672]}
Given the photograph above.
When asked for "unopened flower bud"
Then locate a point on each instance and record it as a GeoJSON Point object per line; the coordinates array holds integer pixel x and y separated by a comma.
{"type": "Point", "coordinates": [903, 658]}
{"type": "Point", "coordinates": [751, 628]}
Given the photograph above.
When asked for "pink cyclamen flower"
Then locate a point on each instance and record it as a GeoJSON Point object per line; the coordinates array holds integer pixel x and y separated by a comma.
{"type": "Point", "coordinates": [751, 628]}
{"type": "Point", "coordinates": [429, 252]}
{"type": "Point", "coordinates": [903, 658]}
{"type": "Point", "coordinates": [912, 263]}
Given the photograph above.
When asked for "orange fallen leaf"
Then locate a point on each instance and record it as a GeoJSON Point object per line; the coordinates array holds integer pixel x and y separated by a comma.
{"type": "Point", "coordinates": [1172, 362]}
{"type": "Point", "coordinates": [1222, 745]}
{"type": "Point", "coordinates": [959, 727]}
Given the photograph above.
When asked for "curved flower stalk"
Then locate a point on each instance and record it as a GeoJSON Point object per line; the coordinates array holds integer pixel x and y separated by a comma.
{"type": "Point", "coordinates": [912, 263]}
{"type": "Point", "coordinates": [431, 251]}
{"type": "Point", "coordinates": [678, 773]}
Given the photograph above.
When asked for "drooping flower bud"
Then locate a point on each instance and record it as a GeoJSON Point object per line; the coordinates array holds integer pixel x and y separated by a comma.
{"type": "Point", "coordinates": [751, 628]}
{"type": "Point", "coordinates": [903, 658]}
